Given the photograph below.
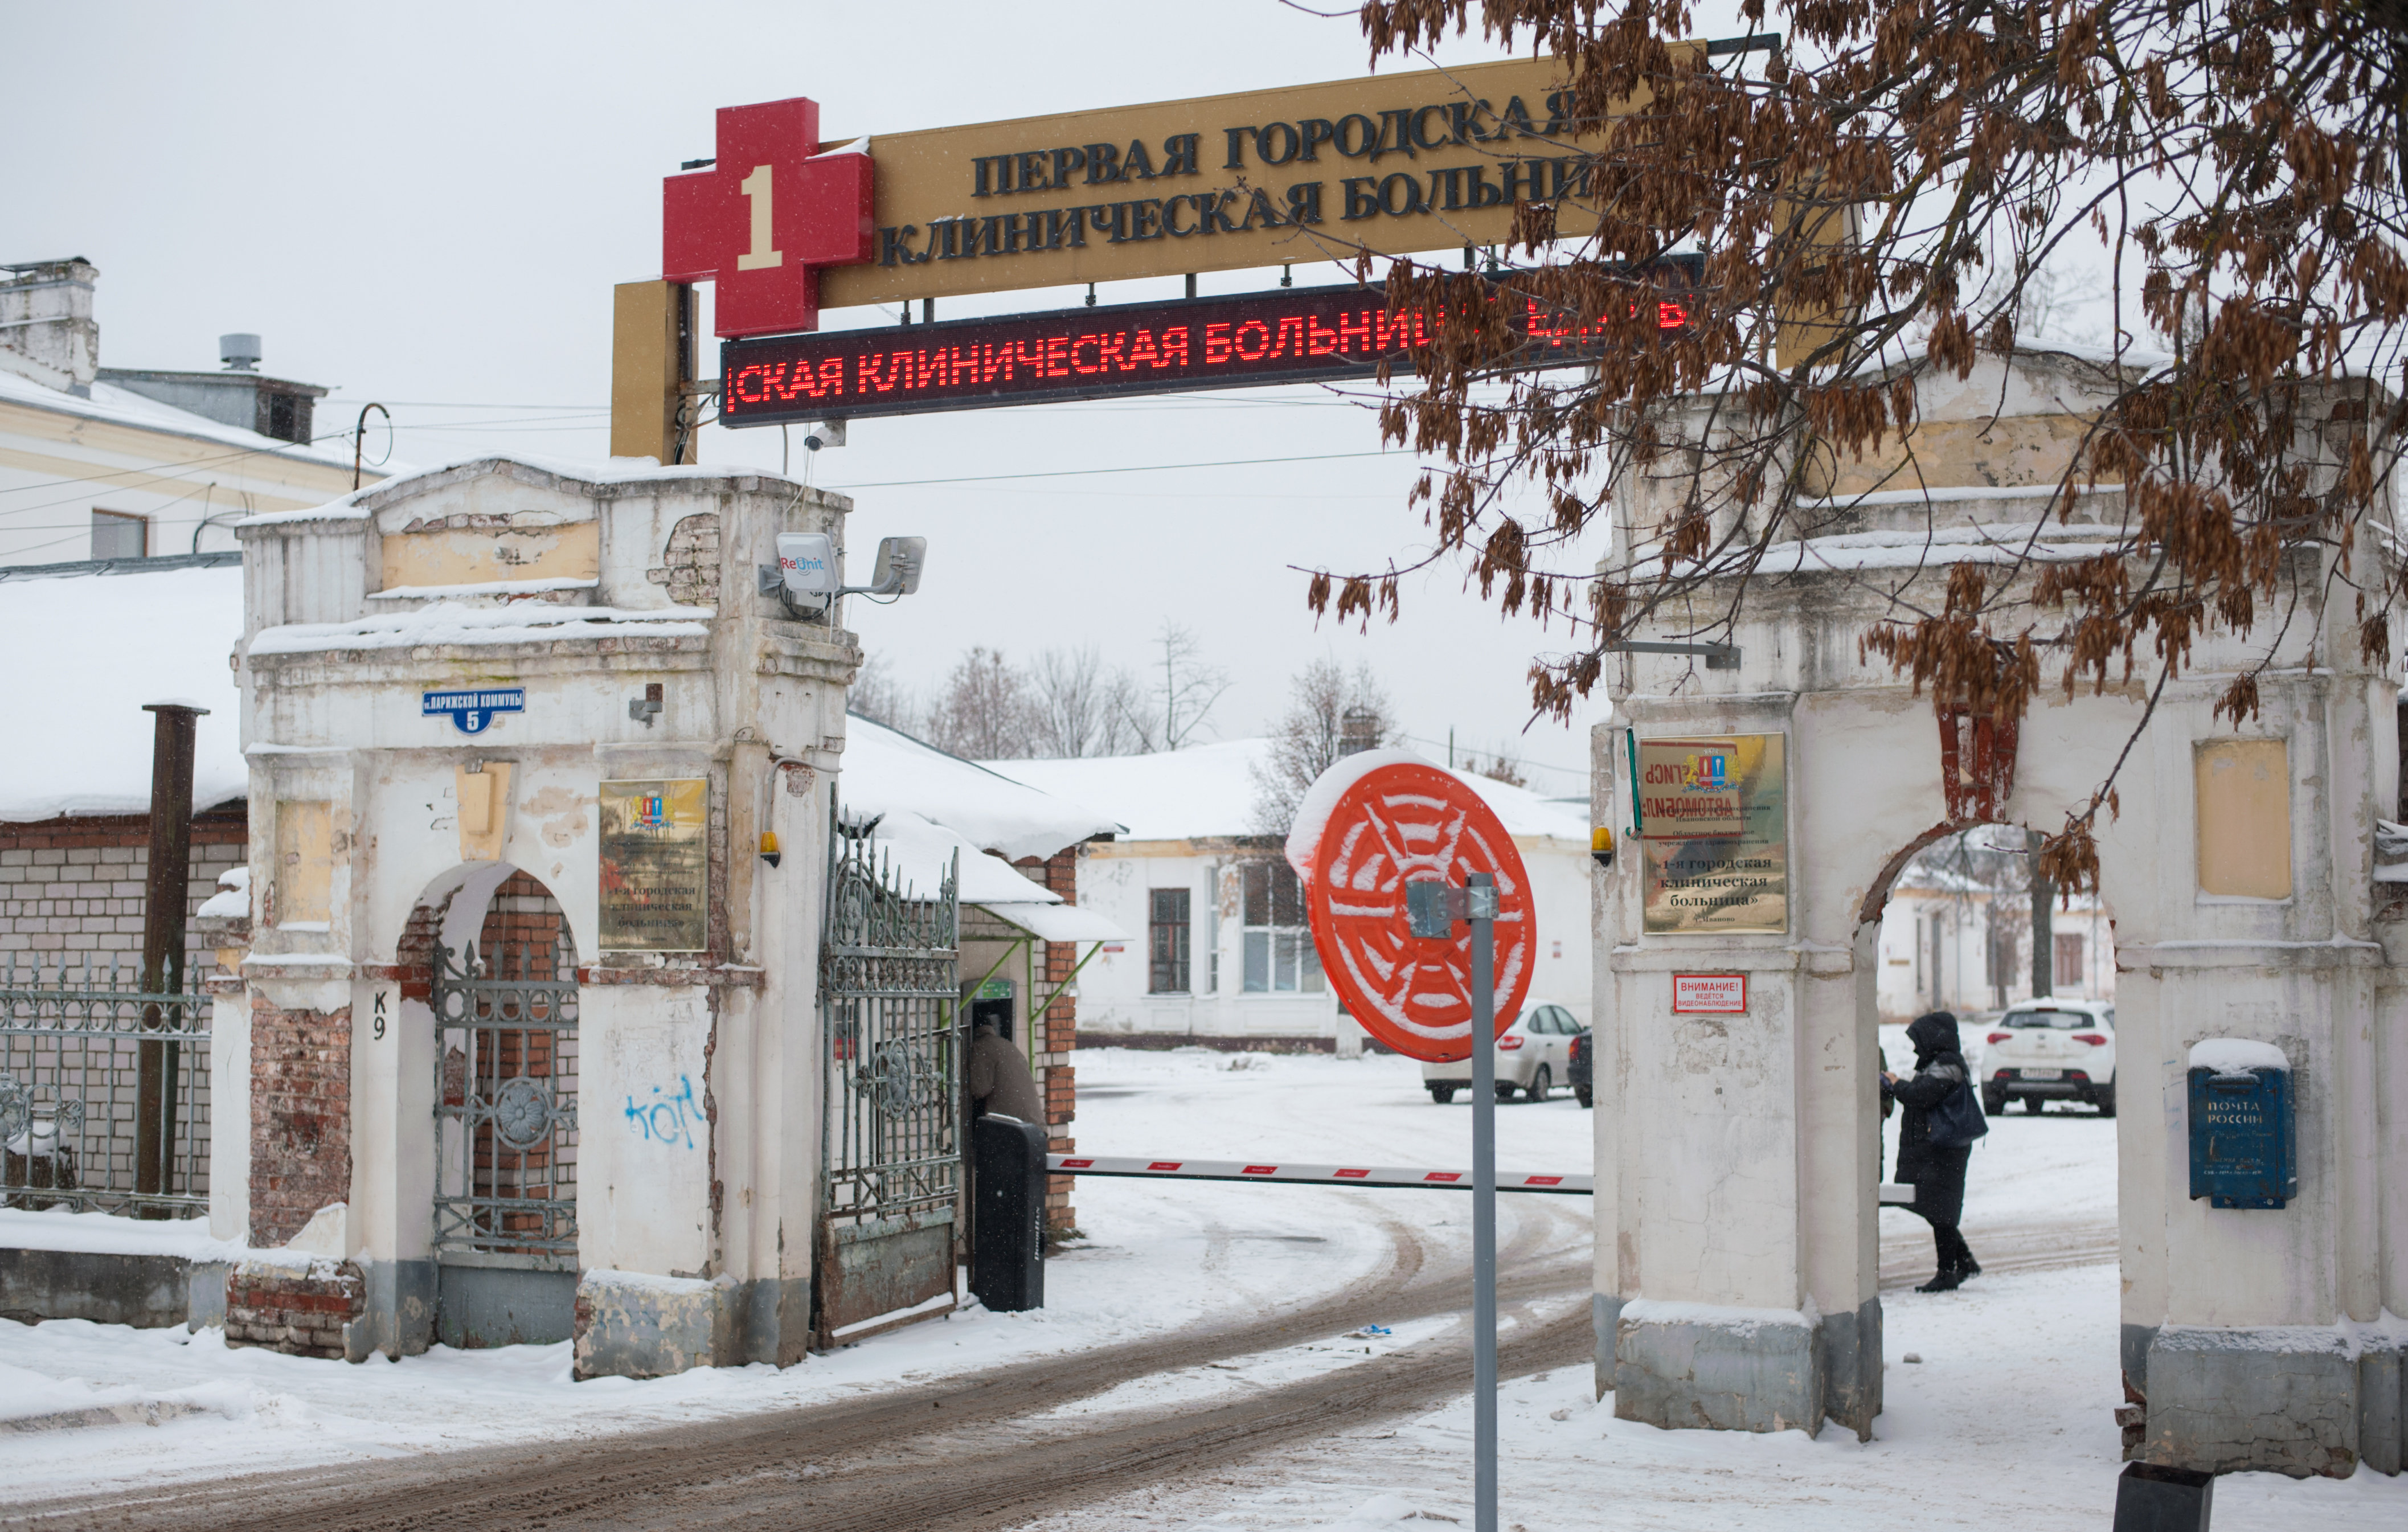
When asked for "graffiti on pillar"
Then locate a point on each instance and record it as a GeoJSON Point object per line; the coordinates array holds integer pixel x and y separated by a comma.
{"type": "Point", "coordinates": [666, 1117]}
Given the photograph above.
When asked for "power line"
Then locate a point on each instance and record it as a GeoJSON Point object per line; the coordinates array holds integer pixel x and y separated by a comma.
{"type": "Point", "coordinates": [1081, 473]}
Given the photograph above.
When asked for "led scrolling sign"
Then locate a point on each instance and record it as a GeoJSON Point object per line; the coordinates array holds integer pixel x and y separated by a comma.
{"type": "Point", "coordinates": [1285, 335]}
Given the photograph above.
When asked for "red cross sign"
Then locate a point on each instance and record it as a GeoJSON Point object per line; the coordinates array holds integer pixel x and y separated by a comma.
{"type": "Point", "coordinates": [764, 220]}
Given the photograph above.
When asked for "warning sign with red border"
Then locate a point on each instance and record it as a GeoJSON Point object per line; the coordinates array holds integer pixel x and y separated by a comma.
{"type": "Point", "coordinates": [1710, 995]}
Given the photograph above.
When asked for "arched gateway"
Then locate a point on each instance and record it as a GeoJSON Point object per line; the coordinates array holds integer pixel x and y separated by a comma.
{"type": "Point", "coordinates": [1737, 1153]}
{"type": "Point", "coordinates": [521, 994]}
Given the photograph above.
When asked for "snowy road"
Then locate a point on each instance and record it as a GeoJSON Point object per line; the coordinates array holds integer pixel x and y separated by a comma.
{"type": "Point", "coordinates": [1203, 1319]}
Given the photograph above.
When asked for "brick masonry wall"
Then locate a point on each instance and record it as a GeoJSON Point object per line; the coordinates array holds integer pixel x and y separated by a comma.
{"type": "Point", "coordinates": [300, 1117]}
{"type": "Point", "coordinates": [71, 890]}
{"type": "Point", "coordinates": [288, 1308]}
{"type": "Point", "coordinates": [1060, 1035]}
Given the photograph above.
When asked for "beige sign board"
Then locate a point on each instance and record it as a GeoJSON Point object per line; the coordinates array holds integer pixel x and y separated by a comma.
{"type": "Point", "coordinates": [1392, 164]}
{"type": "Point", "coordinates": [1715, 833]}
{"type": "Point", "coordinates": [655, 865]}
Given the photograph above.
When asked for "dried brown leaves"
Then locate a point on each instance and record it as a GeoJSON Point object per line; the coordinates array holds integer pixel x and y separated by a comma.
{"type": "Point", "coordinates": [2237, 160]}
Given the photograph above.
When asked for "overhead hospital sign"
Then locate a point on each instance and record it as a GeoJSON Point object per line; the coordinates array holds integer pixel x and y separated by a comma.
{"type": "Point", "coordinates": [787, 224]}
{"type": "Point", "coordinates": [1282, 336]}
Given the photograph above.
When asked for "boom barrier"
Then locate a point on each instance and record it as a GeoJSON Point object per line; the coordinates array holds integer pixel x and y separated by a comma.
{"type": "Point", "coordinates": [1311, 1175]}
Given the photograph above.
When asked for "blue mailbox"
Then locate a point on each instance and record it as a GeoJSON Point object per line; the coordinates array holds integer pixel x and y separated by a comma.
{"type": "Point", "coordinates": [2241, 1140]}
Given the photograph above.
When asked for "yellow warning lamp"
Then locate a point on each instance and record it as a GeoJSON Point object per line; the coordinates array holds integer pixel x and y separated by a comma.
{"type": "Point", "coordinates": [1600, 846]}
{"type": "Point", "coordinates": [769, 847]}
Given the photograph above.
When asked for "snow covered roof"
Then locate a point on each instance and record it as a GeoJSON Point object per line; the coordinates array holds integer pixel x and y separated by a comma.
{"type": "Point", "coordinates": [86, 651]}
{"type": "Point", "coordinates": [1207, 790]}
{"type": "Point", "coordinates": [357, 505]}
{"type": "Point", "coordinates": [458, 622]}
{"type": "Point", "coordinates": [887, 771]}
{"type": "Point", "coordinates": [123, 406]}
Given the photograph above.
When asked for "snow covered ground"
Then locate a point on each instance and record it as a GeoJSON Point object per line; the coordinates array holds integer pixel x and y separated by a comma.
{"type": "Point", "coordinates": [2007, 1410]}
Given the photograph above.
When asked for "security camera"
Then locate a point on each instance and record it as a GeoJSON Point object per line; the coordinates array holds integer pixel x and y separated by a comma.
{"type": "Point", "coordinates": [825, 434]}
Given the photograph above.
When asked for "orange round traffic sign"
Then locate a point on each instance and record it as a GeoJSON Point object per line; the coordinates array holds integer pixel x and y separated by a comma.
{"type": "Point", "coordinates": [1405, 821]}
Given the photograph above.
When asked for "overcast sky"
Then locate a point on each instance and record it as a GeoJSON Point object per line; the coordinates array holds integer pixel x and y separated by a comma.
{"type": "Point", "coordinates": [427, 205]}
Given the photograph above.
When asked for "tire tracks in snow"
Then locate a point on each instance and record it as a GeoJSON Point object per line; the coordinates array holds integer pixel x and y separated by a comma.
{"type": "Point", "coordinates": [938, 1452]}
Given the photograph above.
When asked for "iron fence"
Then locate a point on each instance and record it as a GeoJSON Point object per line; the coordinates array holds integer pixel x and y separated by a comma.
{"type": "Point", "coordinates": [104, 1091]}
{"type": "Point", "coordinates": [889, 991]}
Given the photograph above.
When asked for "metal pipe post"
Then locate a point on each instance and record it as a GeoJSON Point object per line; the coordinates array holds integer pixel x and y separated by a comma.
{"type": "Point", "coordinates": [1481, 906]}
{"type": "Point", "coordinates": [166, 879]}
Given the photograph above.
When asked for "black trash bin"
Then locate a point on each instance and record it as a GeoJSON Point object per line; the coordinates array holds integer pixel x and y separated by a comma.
{"type": "Point", "coordinates": [2151, 1497]}
{"type": "Point", "coordinates": [1008, 1213]}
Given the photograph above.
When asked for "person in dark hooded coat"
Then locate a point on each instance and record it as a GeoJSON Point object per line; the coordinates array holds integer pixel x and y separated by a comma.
{"type": "Point", "coordinates": [1936, 1173]}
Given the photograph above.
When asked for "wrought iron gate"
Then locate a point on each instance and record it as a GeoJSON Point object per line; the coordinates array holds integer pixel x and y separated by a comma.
{"type": "Point", "coordinates": [505, 1103]}
{"type": "Point", "coordinates": [104, 1094]}
{"type": "Point", "coordinates": [890, 1018]}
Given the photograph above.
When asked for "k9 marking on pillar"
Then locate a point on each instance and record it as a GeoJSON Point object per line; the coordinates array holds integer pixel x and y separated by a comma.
{"type": "Point", "coordinates": [376, 1020]}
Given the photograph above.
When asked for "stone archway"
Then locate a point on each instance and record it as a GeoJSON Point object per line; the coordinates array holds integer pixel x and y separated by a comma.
{"type": "Point", "coordinates": [1737, 1271]}
{"type": "Point", "coordinates": [489, 977]}
{"type": "Point", "coordinates": [467, 676]}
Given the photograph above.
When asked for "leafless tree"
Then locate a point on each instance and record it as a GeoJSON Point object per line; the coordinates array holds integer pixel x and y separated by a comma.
{"type": "Point", "coordinates": [1184, 690]}
{"type": "Point", "coordinates": [1877, 199]}
{"type": "Point", "coordinates": [877, 695]}
{"type": "Point", "coordinates": [1503, 767]}
{"type": "Point", "coordinates": [986, 711]}
{"type": "Point", "coordinates": [1331, 712]}
{"type": "Point", "coordinates": [1084, 706]}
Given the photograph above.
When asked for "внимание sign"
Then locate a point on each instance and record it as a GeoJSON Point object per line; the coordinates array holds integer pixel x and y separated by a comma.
{"type": "Point", "coordinates": [655, 865]}
{"type": "Point", "coordinates": [1714, 825]}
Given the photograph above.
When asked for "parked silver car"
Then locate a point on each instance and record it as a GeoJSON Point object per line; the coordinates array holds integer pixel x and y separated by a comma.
{"type": "Point", "coordinates": [1532, 1055]}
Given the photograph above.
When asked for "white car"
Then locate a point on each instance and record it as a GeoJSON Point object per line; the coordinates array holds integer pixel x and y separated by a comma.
{"type": "Point", "coordinates": [2051, 1050]}
{"type": "Point", "coordinates": [1533, 1057]}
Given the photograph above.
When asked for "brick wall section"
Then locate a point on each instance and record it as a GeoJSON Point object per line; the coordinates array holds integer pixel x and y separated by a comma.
{"type": "Point", "coordinates": [690, 564]}
{"type": "Point", "coordinates": [1059, 1034]}
{"type": "Point", "coordinates": [71, 890]}
{"type": "Point", "coordinates": [300, 1117]}
{"type": "Point", "coordinates": [287, 1308]}
{"type": "Point", "coordinates": [522, 926]}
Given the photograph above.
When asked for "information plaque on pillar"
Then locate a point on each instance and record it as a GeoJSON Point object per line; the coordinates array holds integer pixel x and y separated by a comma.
{"type": "Point", "coordinates": [1713, 820]}
{"type": "Point", "coordinates": [655, 865]}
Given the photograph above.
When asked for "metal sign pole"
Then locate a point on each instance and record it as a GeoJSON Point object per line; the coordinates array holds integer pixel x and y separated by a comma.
{"type": "Point", "coordinates": [1482, 908]}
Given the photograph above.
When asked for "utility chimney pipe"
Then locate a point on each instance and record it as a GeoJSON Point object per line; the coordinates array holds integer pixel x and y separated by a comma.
{"type": "Point", "coordinates": [166, 881]}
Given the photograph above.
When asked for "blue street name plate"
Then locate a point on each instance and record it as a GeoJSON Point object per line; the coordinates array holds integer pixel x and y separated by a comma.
{"type": "Point", "coordinates": [471, 711]}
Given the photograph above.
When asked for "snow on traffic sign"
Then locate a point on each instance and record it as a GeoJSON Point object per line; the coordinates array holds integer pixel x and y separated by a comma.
{"type": "Point", "coordinates": [1372, 823]}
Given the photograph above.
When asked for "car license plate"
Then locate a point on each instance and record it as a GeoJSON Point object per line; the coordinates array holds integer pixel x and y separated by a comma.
{"type": "Point", "coordinates": [2043, 1074]}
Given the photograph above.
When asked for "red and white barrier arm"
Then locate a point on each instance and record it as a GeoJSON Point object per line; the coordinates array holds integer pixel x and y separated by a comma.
{"type": "Point", "coordinates": [1312, 1175]}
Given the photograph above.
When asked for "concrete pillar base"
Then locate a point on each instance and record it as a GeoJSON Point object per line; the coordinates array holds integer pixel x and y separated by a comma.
{"type": "Point", "coordinates": [1697, 1366]}
{"type": "Point", "coordinates": [2294, 1400]}
{"type": "Point", "coordinates": [631, 1326]}
{"type": "Point", "coordinates": [399, 1318]}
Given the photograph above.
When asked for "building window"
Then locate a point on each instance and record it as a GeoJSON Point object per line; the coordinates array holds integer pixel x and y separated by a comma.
{"type": "Point", "coordinates": [1279, 958]}
{"type": "Point", "coordinates": [2065, 966]}
{"type": "Point", "coordinates": [1169, 932]}
{"type": "Point", "coordinates": [116, 534]}
{"type": "Point", "coordinates": [286, 421]}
